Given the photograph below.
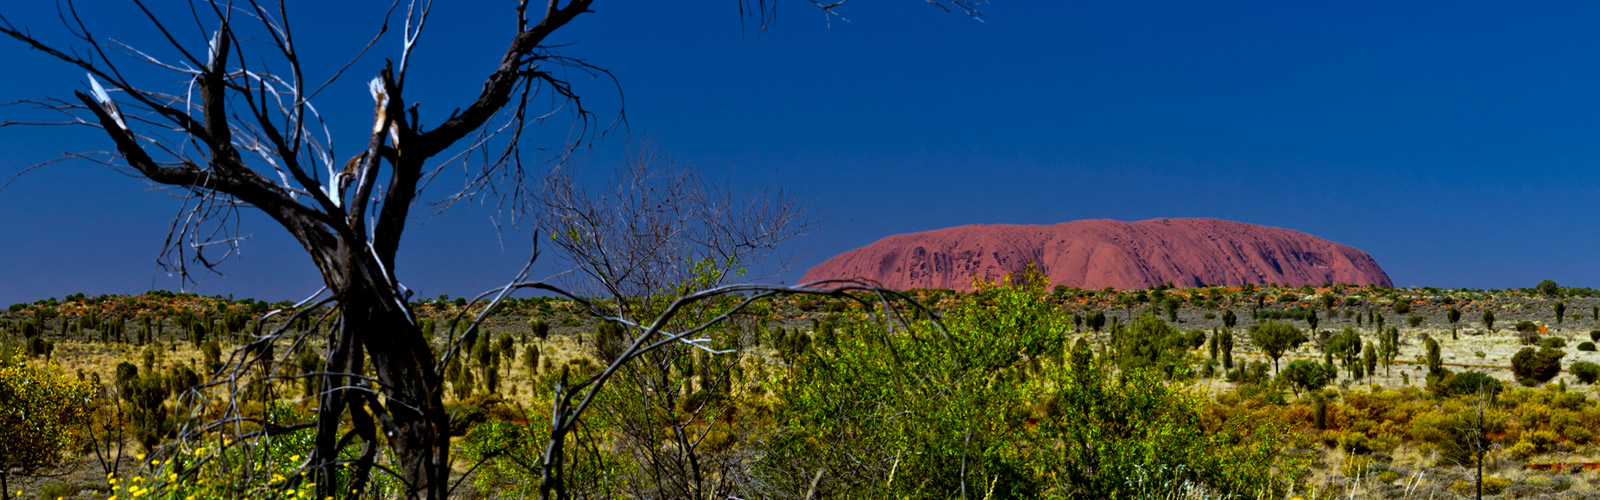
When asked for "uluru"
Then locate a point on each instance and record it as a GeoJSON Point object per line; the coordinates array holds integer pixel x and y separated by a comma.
{"type": "Point", "coordinates": [1106, 253]}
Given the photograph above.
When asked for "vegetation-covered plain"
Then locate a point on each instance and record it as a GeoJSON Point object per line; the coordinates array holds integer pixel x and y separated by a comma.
{"type": "Point", "coordinates": [1014, 391]}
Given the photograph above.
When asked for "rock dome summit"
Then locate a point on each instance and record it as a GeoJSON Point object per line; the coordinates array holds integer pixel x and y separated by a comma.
{"type": "Point", "coordinates": [1106, 253]}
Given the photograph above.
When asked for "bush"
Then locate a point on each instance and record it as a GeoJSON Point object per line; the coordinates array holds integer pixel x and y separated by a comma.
{"type": "Point", "coordinates": [43, 418]}
{"type": "Point", "coordinates": [1306, 375]}
{"type": "Point", "coordinates": [1549, 288]}
{"type": "Point", "coordinates": [1527, 332]}
{"type": "Point", "coordinates": [1553, 342]}
{"type": "Point", "coordinates": [1467, 384]}
{"type": "Point", "coordinates": [1585, 371]}
{"type": "Point", "coordinates": [1586, 346]}
{"type": "Point", "coordinates": [1594, 335]}
{"type": "Point", "coordinates": [1537, 365]}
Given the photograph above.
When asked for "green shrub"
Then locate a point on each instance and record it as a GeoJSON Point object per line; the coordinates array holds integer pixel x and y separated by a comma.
{"type": "Point", "coordinates": [1553, 342]}
{"type": "Point", "coordinates": [1306, 375]}
{"type": "Point", "coordinates": [1527, 332]}
{"type": "Point", "coordinates": [1586, 346]}
{"type": "Point", "coordinates": [1467, 383]}
{"type": "Point", "coordinates": [1537, 365]}
{"type": "Point", "coordinates": [1585, 371]}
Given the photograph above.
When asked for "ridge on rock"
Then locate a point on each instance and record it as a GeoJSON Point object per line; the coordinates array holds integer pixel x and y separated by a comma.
{"type": "Point", "coordinates": [1093, 254]}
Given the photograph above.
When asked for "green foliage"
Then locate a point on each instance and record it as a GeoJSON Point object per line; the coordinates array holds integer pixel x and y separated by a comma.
{"type": "Point", "coordinates": [1537, 365]}
{"type": "Point", "coordinates": [1561, 311]}
{"type": "Point", "coordinates": [1527, 332]}
{"type": "Point", "coordinates": [1553, 342]}
{"type": "Point", "coordinates": [1435, 362]}
{"type": "Point", "coordinates": [1402, 307]}
{"type": "Point", "coordinates": [1275, 338]}
{"type": "Point", "coordinates": [1346, 347]}
{"type": "Point", "coordinates": [42, 415]}
{"type": "Point", "coordinates": [530, 360]}
{"type": "Point", "coordinates": [1488, 319]}
{"type": "Point", "coordinates": [1468, 383]}
{"type": "Point", "coordinates": [1548, 288]}
{"type": "Point", "coordinates": [1388, 346]}
{"type": "Point", "coordinates": [1226, 343]}
{"type": "Point", "coordinates": [1586, 372]}
{"type": "Point", "coordinates": [1586, 346]}
{"type": "Point", "coordinates": [1096, 321]}
{"type": "Point", "coordinates": [144, 399]}
{"type": "Point", "coordinates": [1149, 342]}
{"type": "Point", "coordinates": [1304, 375]}
{"type": "Point", "coordinates": [211, 353]}
{"type": "Point", "coordinates": [1369, 358]}
{"type": "Point", "coordinates": [1453, 315]}
{"type": "Point", "coordinates": [610, 340]}
{"type": "Point", "coordinates": [539, 328]}
{"type": "Point", "coordinates": [928, 413]}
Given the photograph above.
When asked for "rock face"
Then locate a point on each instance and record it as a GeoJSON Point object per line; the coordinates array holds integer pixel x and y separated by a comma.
{"type": "Point", "coordinates": [1100, 253]}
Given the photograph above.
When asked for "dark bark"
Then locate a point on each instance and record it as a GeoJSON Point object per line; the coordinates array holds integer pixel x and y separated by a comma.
{"type": "Point", "coordinates": [376, 322]}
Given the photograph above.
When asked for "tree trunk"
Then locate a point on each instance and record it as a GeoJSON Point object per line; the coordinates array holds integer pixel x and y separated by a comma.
{"type": "Point", "coordinates": [417, 426]}
{"type": "Point", "coordinates": [376, 321]}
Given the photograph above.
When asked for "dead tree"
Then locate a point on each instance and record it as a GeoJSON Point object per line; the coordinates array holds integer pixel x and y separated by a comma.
{"type": "Point", "coordinates": [240, 131]}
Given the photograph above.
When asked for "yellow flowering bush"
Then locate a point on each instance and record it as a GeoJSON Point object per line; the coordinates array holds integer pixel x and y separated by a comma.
{"type": "Point", "coordinates": [42, 415]}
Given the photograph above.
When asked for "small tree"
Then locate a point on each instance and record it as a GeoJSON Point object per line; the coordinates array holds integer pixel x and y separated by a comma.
{"type": "Point", "coordinates": [1388, 347]}
{"type": "Point", "coordinates": [1435, 362]}
{"type": "Point", "coordinates": [1488, 319]}
{"type": "Point", "coordinates": [1229, 319]}
{"type": "Point", "coordinates": [1453, 315]}
{"type": "Point", "coordinates": [1150, 342]}
{"type": "Point", "coordinates": [1305, 375]}
{"type": "Point", "coordinates": [1274, 338]}
{"type": "Point", "coordinates": [1548, 288]}
{"type": "Point", "coordinates": [1096, 321]}
{"type": "Point", "coordinates": [1369, 357]}
{"type": "Point", "coordinates": [1527, 332]}
{"type": "Point", "coordinates": [1561, 311]}
{"type": "Point", "coordinates": [540, 328]}
{"type": "Point", "coordinates": [41, 416]}
{"type": "Point", "coordinates": [1347, 347]}
{"type": "Point", "coordinates": [1227, 348]}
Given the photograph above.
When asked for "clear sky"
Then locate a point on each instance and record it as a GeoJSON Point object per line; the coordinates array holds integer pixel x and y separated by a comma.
{"type": "Point", "coordinates": [1457, 146]}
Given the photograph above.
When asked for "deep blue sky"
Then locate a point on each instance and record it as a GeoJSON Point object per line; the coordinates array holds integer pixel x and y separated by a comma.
{"type": "Point", "coordinates": [1458, 146]}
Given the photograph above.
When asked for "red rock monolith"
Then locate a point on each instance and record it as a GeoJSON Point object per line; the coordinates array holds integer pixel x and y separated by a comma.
{"type": "Point", "coordinates": [1100, 253]}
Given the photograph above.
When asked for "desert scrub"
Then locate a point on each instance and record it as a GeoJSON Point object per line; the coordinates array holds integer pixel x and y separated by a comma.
{"type": "Point", "coordinates": [43, 415]}
{"type": "Point", "coordinates": [928, 409]}
{"type": "Point", "coordinates": [272, 468]}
